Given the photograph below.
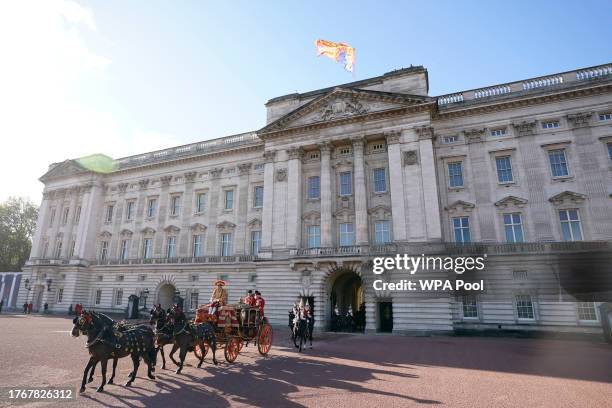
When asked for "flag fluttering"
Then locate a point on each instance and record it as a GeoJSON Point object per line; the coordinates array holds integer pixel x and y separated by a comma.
{"type": "Point", "coordinates": [339, 52]}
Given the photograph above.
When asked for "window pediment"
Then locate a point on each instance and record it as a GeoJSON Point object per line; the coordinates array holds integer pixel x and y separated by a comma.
{"type": "Point", "coordinates": [254, 223]}
{"type": "Point", "coordinates": [510, 201]}
{"type": "Point", "coordinates": [226, 225]}
{"type": "Point", "coordinates": [105, 234]}
{"type": "Point", "coordinates": [172, 228]}
{"type": "Point", "coordinates": [126, 233]}
{"type": "Point", "coordinates": [198, 227]}
{"type": "Point", "coordinates": [380, 211]}
{"type": "Point", "coordinates": [567, 197]}
{"type": "Point", "coordinates": [148, 230]}
{"type": "Point", "coordinates": [460, 205]}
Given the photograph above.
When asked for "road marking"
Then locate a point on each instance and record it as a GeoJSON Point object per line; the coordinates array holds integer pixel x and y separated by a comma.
{"type": "Point", "coordinates": [62, 331]}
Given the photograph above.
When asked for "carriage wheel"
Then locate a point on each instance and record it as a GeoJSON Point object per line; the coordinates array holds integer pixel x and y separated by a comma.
{"type": "Point", "coordinates": [231, 349]}
{"type": "Point", "coordinates": [201, 350]}
{"type": "Point", "coordinates": [240, 345]}
{"type": "Point", "coordinates": [264, 342]}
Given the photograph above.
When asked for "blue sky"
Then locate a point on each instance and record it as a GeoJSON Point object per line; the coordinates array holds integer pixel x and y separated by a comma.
{"type": "Point", "coordinates": [125, 77]}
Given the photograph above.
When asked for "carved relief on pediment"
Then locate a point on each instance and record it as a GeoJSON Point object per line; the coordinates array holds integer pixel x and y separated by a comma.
{"type": "Point", "coordinates": [341, 108]}
{"type": "Point", "coordinates": [568, 197]}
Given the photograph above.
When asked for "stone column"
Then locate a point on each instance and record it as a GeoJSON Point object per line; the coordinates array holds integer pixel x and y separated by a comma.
{"type": "Point", "coordinates": [396, 186]}
{"type": "Point", "coordinates": [60, 196]}
{"type": "Point", "coordinates": [430, 184]}
{"type": "Point", "coordinates": [294, 197]}
{"type": "Point", "coordinates": [241, 240]}
{"type": "Point", "coordinates": [41, 225]}
{"type": "Point", "coordinates": [141, 205]}
{"type": "Point", "coordinates": [183, 248]}
{"type": "Point", "coordinates": [162, 215]}
{"type": "Point", "coordinates": [211, 233]}
{"type": "Point", "coordinates": [268, 205]}
{"type": "Point", "coordinates": [88, 224]}
{"type": "Point", "coordinates": [361, 201]}
{"type": "Point", "coordinates": [74, 200]}
{"type": "Point", "coordinates": [326, 195]}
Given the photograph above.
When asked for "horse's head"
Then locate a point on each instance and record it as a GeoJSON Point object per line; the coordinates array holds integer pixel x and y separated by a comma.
{"type": "Point", "coordinates": [82, 324]}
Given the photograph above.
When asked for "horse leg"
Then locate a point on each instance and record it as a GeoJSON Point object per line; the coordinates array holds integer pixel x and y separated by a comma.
{"type": "Point", "coordinates": [201, 346]}
{"type": "Point", "coordinates": [114, 368]}
{"type": "Point", "coordinates": [136, 363]}
{"type": "Point", "coordinates": [182, 355]}
{"type": "Point", "coordinates": [161, 350]}
{"type": "Point", "coordinates": [91, 363]}
{"type": "Point", "coordinates": [103, 364]}
{"type": "Point", "coordinates": [91, 373]}
{"type": "Point", "coordinates": [213, 346]}
{"type": "Point", "coordinates": [174, 348]}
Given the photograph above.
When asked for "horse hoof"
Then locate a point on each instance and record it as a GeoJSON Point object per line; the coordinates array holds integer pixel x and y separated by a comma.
{"type": "Point", "coordinates": [152, 377]}
{"type": "Point", "coordinates": [178, 371]}
{"type": "Point", "coordinates": [82, 389]}
{"type": "Point", "coordinates": [216, 362]}
{"type": "Point", "coordinates": [200, 365]}
{"type": "Point", "coordinates": [127, 384]}
{"type": "Point", "coordinates": [100, 389]}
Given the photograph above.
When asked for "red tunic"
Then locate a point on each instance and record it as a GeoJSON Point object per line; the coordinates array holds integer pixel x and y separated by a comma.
{"type": "Point", "coordinates": [260, 303]}
{"type": "Point", "coordinates": [250, 300]}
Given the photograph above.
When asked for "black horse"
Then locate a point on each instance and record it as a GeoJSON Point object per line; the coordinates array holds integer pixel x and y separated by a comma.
{"type": "Point", "coordinates": [164, 331]}
{"type": "Point", "coordinates": [187, 336]}
{"type": "Point", "coordinates": [302, 330]}
{"type": "Point", "coordinates": [103, 344]}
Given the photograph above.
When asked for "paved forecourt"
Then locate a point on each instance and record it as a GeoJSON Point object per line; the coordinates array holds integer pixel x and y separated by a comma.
{"type": "Point", "coordinates": [341, 371]}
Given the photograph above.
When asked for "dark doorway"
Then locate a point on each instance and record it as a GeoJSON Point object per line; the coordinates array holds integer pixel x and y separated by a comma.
{"type": "Point", "coordinates": [347, 303]}
{"type": "Point", "coordinates": [385, 317]}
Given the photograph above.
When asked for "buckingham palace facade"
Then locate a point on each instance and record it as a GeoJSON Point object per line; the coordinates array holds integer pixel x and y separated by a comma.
{"type": "Point", "coordinates": [520, 171]}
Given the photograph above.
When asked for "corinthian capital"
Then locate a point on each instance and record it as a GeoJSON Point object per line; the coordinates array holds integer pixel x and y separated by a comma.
{"type": "Point", "coordinates": [324, 147]}
{"type": "Point", "coordinates": [580, 119]}
{"type": "Point", "coordinates": [269, 156]}
{"type": "Point", "coordinates": [393, 137]}
{"type": "Point", "coordinates": [424, 132]}
{"type": "Point", "coordinates": [295, 153]}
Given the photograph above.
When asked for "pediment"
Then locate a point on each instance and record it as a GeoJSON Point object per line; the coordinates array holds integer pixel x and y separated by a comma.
{"type": "Point", "coordinates": [460, 205]}
{"type": "Point", "coordinates": [198, 227]}
{"type": "Point", "coordinates": [105, 234]}
{"type": "Point", "coordinates": [64, 169]}
{"type": "Point", "coordinates": [511, 201]}
{"type": "Point", "coordinates": [567, 196]}
{"type": "Point", "coordinates": [311, 215]}
{"type": "Point", "coordinates": [126, 232]}
{"type": "Point", "coordinates": [254, 223]}
{"type": "Point", "coordinates": [172, 228]}
{"type": "Point", "coordinates": [380, 210]}
{"type": "Point", "coordinates": [148, 230]}
{"type": "Point", "coordinates": [226, 225]}
{"type": "Point", "coordinates": [343, 103]}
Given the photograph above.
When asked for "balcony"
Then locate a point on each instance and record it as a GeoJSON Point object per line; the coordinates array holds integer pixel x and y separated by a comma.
{"type": "Point", "coordinates": [177, 260]}
{"type": "Point", "coordinates": [569, 78]}
{"type": "Point", "coordinates": [450, 248]}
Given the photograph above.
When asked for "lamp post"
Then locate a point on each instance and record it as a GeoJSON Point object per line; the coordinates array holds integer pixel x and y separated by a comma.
{"type": "Point", "coordinates": [28, 287]}
{"type": "Point", "coordinates": [145, 295]}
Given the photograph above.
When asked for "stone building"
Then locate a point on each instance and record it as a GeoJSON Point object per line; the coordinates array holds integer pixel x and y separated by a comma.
{"type": "Point", "coordinates": [519, 171]}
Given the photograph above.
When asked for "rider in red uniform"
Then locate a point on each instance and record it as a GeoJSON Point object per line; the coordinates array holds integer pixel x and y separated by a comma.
{"type": "Point", "coordinates": [260, 302]}
{"type": "Point", "coordinates": [249, 298]}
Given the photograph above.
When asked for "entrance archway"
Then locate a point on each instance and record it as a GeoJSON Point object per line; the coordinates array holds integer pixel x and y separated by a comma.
{"type": "Point", "coordinates": [165, 295]}
{"type": "Point", "coordinates": [346, 300]}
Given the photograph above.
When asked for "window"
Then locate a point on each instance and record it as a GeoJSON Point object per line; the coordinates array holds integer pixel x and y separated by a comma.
{"type": "Point", "coordinates": [461, 227]}
{"type": "Point", "coordinates": [109, 212]}
{"type": "Point", "coordinates": [381, 232]}
{"type": "Point", "coordinates": [455, 174]}
{"type": "Point", "coordinates": [345, 150]}
{"type": "Point", "coordinates": [60, 295]}
{"type": "Point", "coordinates": [586, 311]}
{"type": "Point", "coordinates": [558, 163]}
{"type": "Point", "coordinates": [524, 307]}
{"type": "Point", "coordinates": [314, 155]}
{"type": "Point", "coordinates": [171, 247]}
{"type": "Point", "coordinates": [229, 199]}
{"type": "Point", "coordinates": [65, 217]}
{"type": "Point", "coordinates": [258, 197]}
{"type": "Point", "coordinates": [314, 236]}
{"type": "Point", "coordinates": [378, 147]}
{"type": "Point", "coordinates": [451, 139]}
{"type": "Point", "coordinates": [58, 249]}
{"type": "Point", "coordinates": [552, 124]}
{"type": "Point", "coordinates": [610, 150]}
{"type": "Point", "coordinates": [175, 205]}
{"type": "Point", "coordinates": [226, 244]}
{"type": "Point", "coordinates": [504, 169]}
{"type": "Point", "coordinates": [347, 235]}
{"type": "Point", "coordinates": [346, 183]}
{"type": "Point", "coordinates": [194, 300]}
{"type": "Point", "coordinates": [197, 245]}
{"type": "Point", "coordinates": [258, 166]}
{"type": "Point", "coordinates": [104, 250]}
{"type": "Point", "coordinates": [151, 207]}
{"type": "Point", "coordinates": [498, 132]}
{"type": "Point", "coordinates": [77, 215]}
{"type": "Point", "coordinates": [255, 242]}
{"type": "Point", "coordinates": [200, 203]}
{"type": "Point", "coordinates": [98, 297]}
{"type": "Point", "coordinates": [72, 246]}
{"type": "Point", "coordinates": [129, 210]}
{"type": "Point", "coordinates": [470, 307]}
{"type": "Point", "coordinates": [142, 278]}
{"type": "Point", "coordinates": [147, 248]}
{"type": "Point", "coordinates": [314, 187]}
{"type": "Point", "coordinates": [119, 297]}
{"type": "Point", "coordinates": [605, 117]}
{"type": "Point", "coordinates": [52, 217]}
{"type": "Point", "coordinates": [513, 227]}
{"type": "Point", "coordinates": [380, 181]}
{"type": "Point", "coordinates": [125, 249]}
{"type": "Point", "coordinates": [570, 225]}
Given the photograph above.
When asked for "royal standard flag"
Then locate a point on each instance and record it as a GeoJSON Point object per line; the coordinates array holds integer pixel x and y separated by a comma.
{"type": "Point", "coordinates": [339, 52]}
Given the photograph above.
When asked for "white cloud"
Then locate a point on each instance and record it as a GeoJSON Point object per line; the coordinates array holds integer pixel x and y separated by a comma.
{"type": "Point", "coordinates": [44, 62]}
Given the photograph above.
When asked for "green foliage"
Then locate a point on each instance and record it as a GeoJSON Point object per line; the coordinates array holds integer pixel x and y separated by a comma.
{"type": "Point", "coordinates": [17, 225]}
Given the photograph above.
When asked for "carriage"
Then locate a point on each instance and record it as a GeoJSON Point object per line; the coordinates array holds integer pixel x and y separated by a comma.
{"type": "Point", "coordinates": [235, 325]}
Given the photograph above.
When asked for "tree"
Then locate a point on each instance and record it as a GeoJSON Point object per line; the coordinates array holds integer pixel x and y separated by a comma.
{"type": "Point", "coordinates": [17, 225]}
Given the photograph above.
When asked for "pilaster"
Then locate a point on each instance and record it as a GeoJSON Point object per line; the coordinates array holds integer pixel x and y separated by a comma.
{"type": "Point", "coordinates": [396, 183]}
{"type": "Point", "coordinates": [326, 195]}
{"type": "Point", "coordinates": [361, 201]}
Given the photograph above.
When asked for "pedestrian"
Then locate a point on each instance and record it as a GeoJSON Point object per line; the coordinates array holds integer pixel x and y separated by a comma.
{"type": "Point", "coordinates": [25, 308]}
{"type": "Point", "coordinates": [30, 306]}
{"type": "Point", "coordinates": [70, 310]}
{"type": "Point", "coordinates": [1, 304]}
{"type": "Point", "coordinates": [46, 308]}
{"type": "Point", "coordinates": [78, 309]}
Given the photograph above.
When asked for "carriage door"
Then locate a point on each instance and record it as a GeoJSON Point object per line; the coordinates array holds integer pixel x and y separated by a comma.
{"type": "Point", "coordinates": [385, 317]}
